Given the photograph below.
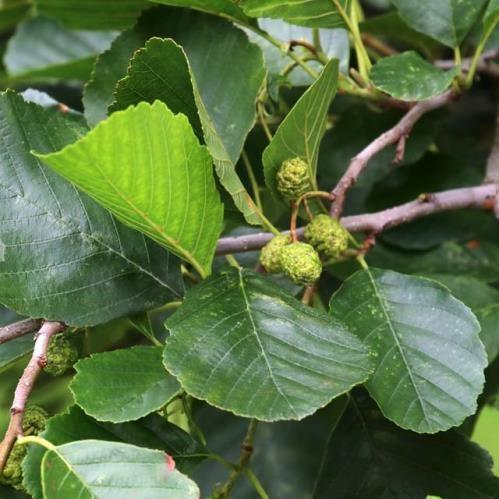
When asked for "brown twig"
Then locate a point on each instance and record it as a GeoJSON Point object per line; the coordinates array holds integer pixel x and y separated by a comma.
{"type": "Point", "coordinates": [17, 329]}
{"type": "Point", "coordinates": [485, 64]}
{"type": "Point", "coordinates": [492, 171]}
{"type": "Point", "coordinates": [303, 43]}
{"type": "Point", "coordinates": [24, 387]}
{"type": "Point", "coordinates": [392, 136]}
{"type": "Point", "coordinates": [378, 45]}
{"type": "Point", "coordinates": [481, 197]}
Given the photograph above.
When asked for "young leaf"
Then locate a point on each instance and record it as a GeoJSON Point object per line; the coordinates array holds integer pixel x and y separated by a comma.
{"type": "Point", "coordinates": [222, 8]}
{"type": "Point", "coordinates": [159, 71]}
{"type": "Point", "coordinates": [316, 14]}
{"type": "Point", "coordinates": [152, 432]}
{"type": "Point", "coordinates": [42, 48]}
{"type": "Point", "coordinates": [430, 360]}
{"type": "Point", "coordinates": [66, 258]}
{"type": "Point", "coordinates": [243, 344]}
{"type": "Point", "coordinates": [171, 198]}
{"type": "Point", "coordinates": [300, 133]}
{"type": "Point", "coordinates": [400, 464]}
{"type": "Point", "coordinates": [226, 111]}
{"type": "Point", "coordinates": [164, 61]}
{"type": "Point", "coordinates": [409, 77]}
{"type": "Point", "coordinates": [93, 468]}
{"type": "Point", "coordinates": [123, 385]}
{"type": "Point", "coordinates": [448, 21]}
{"type": "Point", "coordinates": [91, 14]}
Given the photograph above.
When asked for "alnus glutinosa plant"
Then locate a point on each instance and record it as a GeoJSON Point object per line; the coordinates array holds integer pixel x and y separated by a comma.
{"type": "Point", "coordinates": [249, 249]}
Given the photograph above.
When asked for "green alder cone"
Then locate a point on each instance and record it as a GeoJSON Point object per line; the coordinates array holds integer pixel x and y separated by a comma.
{"type": "Point", "coordinates": [61, 355]}
{"type": "Point", "coordinates": [270, 256]}
{"type": "Point", "coordinates": [34, 422]}
{"type": "Point", "coordinates": [293, 179]}
{"type": "Point", "coordinates": [301, 263]}
{"type": "Point", "coordinates": [327, 236]}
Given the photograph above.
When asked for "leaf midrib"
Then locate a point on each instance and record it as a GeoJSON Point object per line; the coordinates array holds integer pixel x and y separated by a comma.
{"type": "Point", "coordinates": [385, 310]}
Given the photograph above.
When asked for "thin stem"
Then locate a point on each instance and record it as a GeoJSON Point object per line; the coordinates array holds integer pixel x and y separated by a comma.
{"type": "Point", "coordinates": [308, 295]}
{"type": "Point", "coordinates": [256, 484]}
{"type": "Point", "coordinates": [457, 56]}
{"type": "Point", "coordinates": [362, 262]}
{"type": "Point", "coordinates": [232, 261]}
{"type": "Point", "coordinates": [283, 48]}
{"type": "Point", "coordinates": [244, 459]}
{"type": "Point", "coordinates": [263, 122]}
{"type": "Point", "coordinates": [360, 49]}
{"type": "Point", "coordinates": [17, 329]}
{"type": "Point", "coordinates": [479, 50]}
{"type": "Point", "coordinates": [251, 176]}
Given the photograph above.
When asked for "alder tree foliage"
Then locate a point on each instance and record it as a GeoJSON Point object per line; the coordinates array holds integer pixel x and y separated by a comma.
{"type": "Point", "coordinates": [248, 248]}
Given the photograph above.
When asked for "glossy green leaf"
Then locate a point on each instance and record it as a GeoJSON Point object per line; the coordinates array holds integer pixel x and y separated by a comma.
{"type": "Point", "coordinates": [483, 299]}
{"type": "Point", "coordinates": [409, 77]}
{"type": "Point", "coordinates": [66, 258]}
{"type": "Point", "coordinates": [447, 21]}
{"type": "Point", "coordinates": [223, 8]}
{"type": "Point", "coordinates": [392, 463]}
{"type": "Point", "coordinates": [91, 14]}
{"type": "Point", "coordinates": [96, 469]}
{"type": "Point", "coordinates": [123, 385]}
{"type": "Point", "coordinates": [301, 131]}
{"type": "Point", "coordinates": [42, 48]}
{"type": "Point", "coordinates": [316, 14]}
{"type": "Point", "coordinates": [152, 432]}
{"type": "Point", "coordinates": [173, 199]}
{"type": "Point", "coordinates": [430, 360]}
{"type": "Point", "coordinates": [243, 344]}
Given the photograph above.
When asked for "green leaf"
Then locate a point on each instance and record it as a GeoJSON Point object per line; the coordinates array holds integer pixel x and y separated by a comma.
{"type": "Point", "coordinates": [243, 344]}
{"type": "Point", "coordinates": [13, 11]}
{"type": "Point", "coordinates": [91, 14]}
{"type": "Point", "coordinates": [42, 48]}
{"type": "Point", "coordinates": [316, 14]}
{"type": "Point", "coordinates": [483, 300]}
{"type": "Point", "coordinates": [161, 71]}
{"type": "Point", "coordinates": [301, 131]}
{"type": "Point", "coordinates": [223, 8]}
{"type": "Point", "coordinates": [123, 385]}
{"type": "Point", "coordinates": [430, 360]}
{"type": "Point", "coordinates": [152, 432]}
{"type": "Point", "coordinates": [491, 16]}
{"type": "Point", "coordinates": [173, 199]}
{"type": "Point", "coordinates": [398, 464]}
{"type": "Point", "coordinates": [409, 77]}
{"type": "Point", "coordinates": [447, 21]}
{"type": "Point", "coordinates": [93, 468]}
{"type": "Point", "coordinates": [66, 258]}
